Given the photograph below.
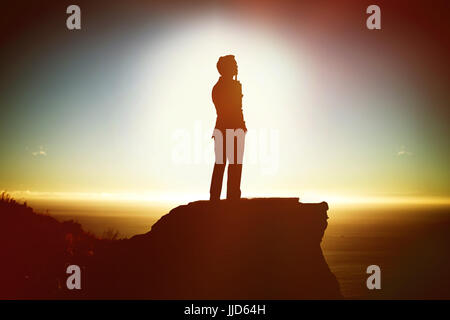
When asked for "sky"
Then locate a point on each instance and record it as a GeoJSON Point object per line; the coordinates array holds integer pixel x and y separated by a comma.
{"type": "Point", "coordinates": [122, 109]}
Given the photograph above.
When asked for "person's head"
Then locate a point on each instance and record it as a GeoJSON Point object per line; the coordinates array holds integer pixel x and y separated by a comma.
{"type": "Point", "coordinates": [227, 66]}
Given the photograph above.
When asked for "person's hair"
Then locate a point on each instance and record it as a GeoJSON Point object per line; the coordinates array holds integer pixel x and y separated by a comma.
{"type": "Point", "coordinates": [225, 63]}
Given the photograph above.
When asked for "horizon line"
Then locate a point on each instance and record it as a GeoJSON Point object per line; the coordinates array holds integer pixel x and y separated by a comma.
{"type": "Point", "coordinates": [177, 198]}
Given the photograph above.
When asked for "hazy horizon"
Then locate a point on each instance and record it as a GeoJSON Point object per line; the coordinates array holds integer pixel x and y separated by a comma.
{"type": "Point", "coordinates": [98, 214]}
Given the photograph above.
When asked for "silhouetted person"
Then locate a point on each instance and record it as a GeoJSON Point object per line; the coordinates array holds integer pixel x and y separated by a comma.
{"type": "Point", "coordinates": [229, 132]}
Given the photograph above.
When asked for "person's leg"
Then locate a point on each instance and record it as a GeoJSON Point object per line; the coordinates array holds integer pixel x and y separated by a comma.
{"type": "Point", "coordinates": [235, 169]}
{"type": "Point", "coordinates": [219, 166]}
{"type": "Point", "coordinates": [216, 182]}
{"type": "Point", "coordinates": [234, 181]}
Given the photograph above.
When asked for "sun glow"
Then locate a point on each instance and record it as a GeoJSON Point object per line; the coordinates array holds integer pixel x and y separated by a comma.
{"type": "Point", "coordinates": [319, 129]}
{"type": "Point", "coordinates": [183, 72]}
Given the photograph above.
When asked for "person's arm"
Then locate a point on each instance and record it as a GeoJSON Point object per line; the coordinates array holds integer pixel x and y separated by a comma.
{"type": "Point", "coordinates": [240, 95]}
{"type": "Point", "coordinates": [216, 99]}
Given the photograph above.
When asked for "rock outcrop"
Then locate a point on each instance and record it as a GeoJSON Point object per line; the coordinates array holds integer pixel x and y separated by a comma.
{"type": "Point", "coordinates": [266, 248]}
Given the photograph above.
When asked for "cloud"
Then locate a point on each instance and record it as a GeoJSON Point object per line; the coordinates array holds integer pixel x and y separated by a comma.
{"type": "Point", "coordinates": [403, 152]}
{"type": "Point", "coordinates": [40, 152]}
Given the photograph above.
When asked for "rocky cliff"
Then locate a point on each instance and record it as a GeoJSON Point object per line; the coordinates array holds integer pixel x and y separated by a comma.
{"type": "Point", "coordinates": [266, 248]}
{"type": "Point", "coordinates": [249, 249]}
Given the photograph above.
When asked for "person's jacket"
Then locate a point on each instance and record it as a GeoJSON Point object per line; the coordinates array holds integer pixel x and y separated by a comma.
{"type": "Point", "coordinates": [227, 98]}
